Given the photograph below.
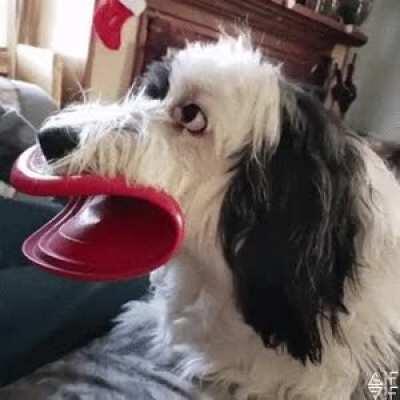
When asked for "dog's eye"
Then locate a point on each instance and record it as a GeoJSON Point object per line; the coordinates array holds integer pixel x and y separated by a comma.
{"type": "Point", "coordinates": [191, 117]}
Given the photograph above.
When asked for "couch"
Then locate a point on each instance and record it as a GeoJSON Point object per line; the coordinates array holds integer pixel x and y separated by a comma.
{"type": "Point", "coordinates": [42, 316]}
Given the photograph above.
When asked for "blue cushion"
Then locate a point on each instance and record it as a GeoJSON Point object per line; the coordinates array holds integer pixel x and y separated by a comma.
{"type": "Point", "coordinates": [44, 316]}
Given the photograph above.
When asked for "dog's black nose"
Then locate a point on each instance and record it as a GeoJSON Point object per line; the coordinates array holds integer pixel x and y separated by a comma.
{"type": "Point", "coordinates": [56, 143]}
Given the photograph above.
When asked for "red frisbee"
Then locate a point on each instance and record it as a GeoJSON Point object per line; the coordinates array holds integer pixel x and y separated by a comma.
{"type": "Point", "coordinates": [109, 230]}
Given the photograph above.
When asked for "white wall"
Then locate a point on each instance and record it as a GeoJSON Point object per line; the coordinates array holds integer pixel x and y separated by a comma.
{"type": "Point", "coordinates": [65, 27]}
{"type": "Point", "coordinates": [377, 108]}
{"type": "Point", "coordinates": [3, 23]}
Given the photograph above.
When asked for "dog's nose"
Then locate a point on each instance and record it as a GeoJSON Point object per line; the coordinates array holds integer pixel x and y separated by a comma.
{"type": "Point", "coordinates": [56, 143]}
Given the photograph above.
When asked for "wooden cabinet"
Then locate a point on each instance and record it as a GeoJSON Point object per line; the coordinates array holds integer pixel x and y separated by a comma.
{"type": "Point", "coordinates": [297, 37]}
{"type": "Point", "coordinates": [4, 62]}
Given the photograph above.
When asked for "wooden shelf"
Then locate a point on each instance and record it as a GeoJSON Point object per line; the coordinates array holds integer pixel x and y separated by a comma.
{"type": "Point", "coordinates": [346, 35]}
{"type": "Point", "coordinates": [298, 38]}
{"type": "Point", "coordinates": [299, 16]}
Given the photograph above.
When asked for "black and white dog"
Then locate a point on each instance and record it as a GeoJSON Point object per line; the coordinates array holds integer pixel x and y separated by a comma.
{"type": "Point", "coordinates": [288, 283]}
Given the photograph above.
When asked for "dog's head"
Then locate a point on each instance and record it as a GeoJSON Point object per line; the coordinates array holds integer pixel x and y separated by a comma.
{"type": "Point", "coordinates": [258, 167]}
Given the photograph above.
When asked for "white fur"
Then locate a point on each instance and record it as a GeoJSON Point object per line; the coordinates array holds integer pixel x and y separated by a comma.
{"type": "Point", "coordinates": [194, 293]}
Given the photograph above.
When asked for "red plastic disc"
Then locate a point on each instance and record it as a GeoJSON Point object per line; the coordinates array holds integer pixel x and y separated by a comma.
{"type": "Point", "coordinates": [109, 230]}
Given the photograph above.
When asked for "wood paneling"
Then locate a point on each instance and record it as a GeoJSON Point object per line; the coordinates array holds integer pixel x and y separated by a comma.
{"type": "Point", "coordinates": [4, 62]}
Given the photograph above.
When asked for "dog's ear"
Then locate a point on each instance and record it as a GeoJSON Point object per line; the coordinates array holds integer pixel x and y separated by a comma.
{"type": "Point", "coordinates": [288, 225]}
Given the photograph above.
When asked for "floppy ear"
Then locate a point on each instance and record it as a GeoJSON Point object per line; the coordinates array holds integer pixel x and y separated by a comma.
{"type": "Point", "coordinates": [288, 225]}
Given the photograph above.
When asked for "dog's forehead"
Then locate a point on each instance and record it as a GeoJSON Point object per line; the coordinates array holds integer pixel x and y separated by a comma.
{"type": "Point", "coordinates": [213, 67]}
{"type": "Point", "coordinates": [224, 52]}
{"type": "Point", "coordinates": [229, 58]}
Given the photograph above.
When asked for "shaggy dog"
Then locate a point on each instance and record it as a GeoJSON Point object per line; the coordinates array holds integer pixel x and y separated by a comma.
{"type": "Point", "coordinates": [288, 282]}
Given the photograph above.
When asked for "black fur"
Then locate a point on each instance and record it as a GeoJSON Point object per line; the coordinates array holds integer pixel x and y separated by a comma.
{"type": "Point", "coordinates": [156, 80]}
{"type": "Point", "coordinates": [287, 226]}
